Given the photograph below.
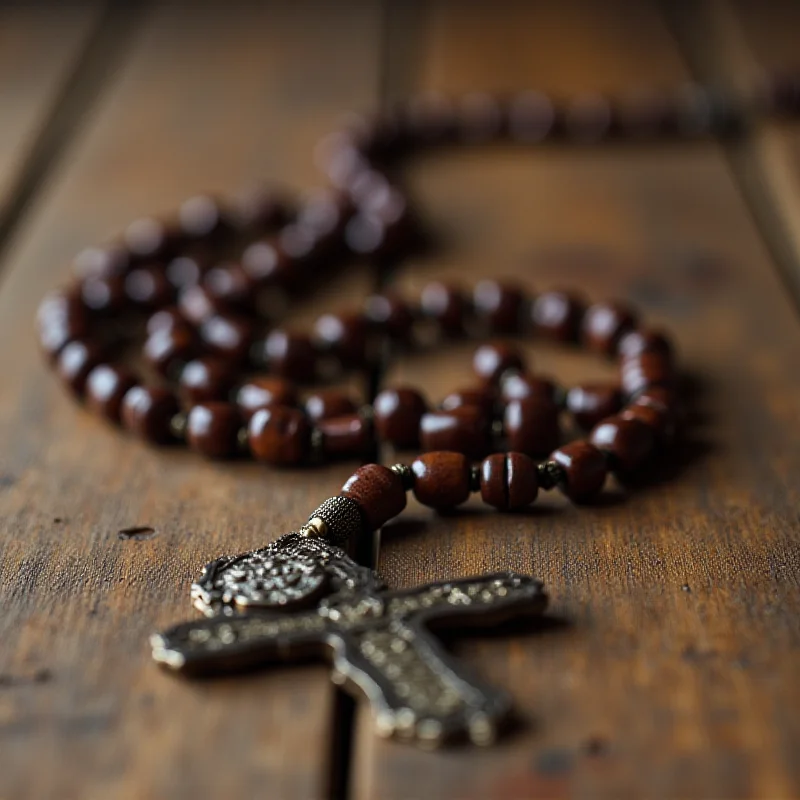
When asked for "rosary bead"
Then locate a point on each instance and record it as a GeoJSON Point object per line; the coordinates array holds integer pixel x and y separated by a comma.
{"type": "Point", "coordinates": [150, 238]}
{"type": "Point", "coordinates": [519, 386]}
{"type": "Point", "coordinates": [463, 430]}
{"type": "Point", "coordinates": [628, 442]}
{"type": "Point", "coordinates": [228, 337]}
{"type": "Point", "coordinates": [212, 429]}
{"type": "Point", "coordinates": [205, 379]}
{"type": "Point", "coordinates": [499, 305]}
{"type": "Point", "coordinates": [196, 304]}
{"type": "Point", "coordinates": [636, 343]}
{"type": "Point", "coordinates": [279, 435]}
{"type": "Point", "coordinates": [391, 314]}
{"type": "Point", "coordinates": [104, 294]}
{"type": "Point", "coordinates": [185, 270]}
{"type": "Point", "coordinates": [441, 480]}
{"type": "Point", "coordinates": [106, 385]}
{"type": "Point", "coordinates": [378, 491]}
{"type": "Point", "coordinates": [264, 392]}
{"type": "Point", "coordinates": [508, 481]}
{"type": "Point", "coordinates": [265, 262]}
{"type": "Point", "coordinates": [75, 361]}
{"type": "Point", "coordinates": [290, 355]}
{"type": "Point", "coordinates": [584, 469]}
{"type": "Point", "coordinates": [531, 425]}
{"type": "Point", "coordinates": [659, 421]}
{"type": "Point", "coordinates": [328, 403]}
{"type": "Point", "coordinates": [258, 209]}
{"type": "Point", "coordinates": [643, 371]}
{"type": "Point", "coordinates": [165, 319]}
{"type": "Point", "coordinates": [202, 218]}
{"type": "Point", "coordinates": [444, 304]}
{"type": "Point", "coordinates": [165, 348]}
{"type": "Point", "coordinates": [588, 118]}
{"type": "Point", "coordinates": [557, 315]}
{"type": "Point", "coordinates": [591, 403]}
{"type": "Point", "coordinates": [531, 117]}
{"type": "Point", "coordinates": [147, 411]}
{"type": "Point", "coordinates": [480, 117]}
{"type": "Point", "coordinates": [663, 398]}
{"type": "Point", "coordinates": [344, 335]}
{"type": "Point", "coordinates": [59, 319]}
{"type": "Point", "coordinates": [148, 287]}
{"type": "Point", "coordinates": [101, 262]}
{"type": "Point", "coordinates": [492, 360]}
{"type": "Point", "coordinates": [397, 414]}
{"type": "Point", "coordinates": [345, 436]}
{"type": "Point", "coordinates": [230, 286]}
{"type": "Point", "coordinates": [603, 326]}
{"type": "Point", "coordinates": [482, 397]}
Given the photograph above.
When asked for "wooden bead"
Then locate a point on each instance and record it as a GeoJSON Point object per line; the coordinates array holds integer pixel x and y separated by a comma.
{"type": "Point", "coordinates": [212, 429]}
{"type": "Point", "coordinates": [522, 386]}
{"type": "Point", "coordinates": [378, 491]}
{"type": "Point", "coordinates": [196, 304]}
{"type": "Point", "coordinates": [150, 238]}
{"type": "Point", "coordinates": [635, 343]}
{"type": "Point", "coordinates": [205, 379]}
{"type": "Point", "coordinates": [290, 355]}
{"type": "Point", "coordinates": [75, 361]}
{"type": "Point", "coordinates": [531, 117]}
{"type": "Point", "coordinates": [147, 411]}
{"type": "Point", "coordinates": [584, 470]}
{"type": "Point", "coordinates": [628, 442]}
{"type": "Point", "coordinates": [266, 263]}
{"type": "Point", "coordinates": [166, 349]}
{"type": "Point", "coordinates": [228, 337]}
{"type": "Point", "coordinates": [482, 397]}
{"type": "Point", "coordinates": [495, 358]}
{"type": "Point", "coordinates": [441, 479]}
{"type": "Point", "coordinates": [104, 294]}
{"type": "Point", "coordinates": [444, 304]}
{"type": "Point", "coordinates": [148, 287]}
{"type": "Point", "coordinates": [165, 319]}
{"type": "Point", "coordinates": [661, 422]}
{"type": "Point", "coordinates": [106, 385]}
{"type": "Point", "coordinates": [389, 314]}
{"type": "Point", "coordinates": [60, 318]}
{"type": "Point", "coordinates": [643, 371]}
{"type": "Point", "coordinates": [604, 324]}
{"type": "Point", "coordinates": [184, 271]}
{"type": "Point", "coordinates": [346, 336]}
{"type": "Point", "coordinates": [498, 305]}
{"type": "Point", "coordinates": [397, 413]}
{"type": "Point", "coordinates": [230, 286]}
{"type": "Point", "coordinates": [509, 481]}
{"type": "Point", "coordinates": [592, 402]}
{"type": "Point", "coordinates": [264, 392]}
{"type": "Point", "coordinates": [279, 435]}
{"type": "Point", "coordinates": [203, 218]}
{"type": "Point", "coordinates": [557, 315]}
{"type": "Point", "coordinates": [531, 425]}
{"type": "Point", "coordinates": [464, 430]}
{"type": "Point", "coordinates": [345, 436]}
{"type": "Point", "coordinates": [102, 261]}
{"type": "Point", "coordinates": [328, 403]}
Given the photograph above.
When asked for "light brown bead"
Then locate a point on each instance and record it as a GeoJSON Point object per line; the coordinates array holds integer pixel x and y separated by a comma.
{"type": "Point", "coordinates": [212, 429]}
{"type": "Point", "coordinates": [345, 436]}
{"type": "Point", "coordinates": [264, 392]}
{"type": "Point", "coordinates": [628, 442]}
{"type": "Point", "coordinates": [531, 426]}
{"type": "Point", "coordinates": [584, 470]}
{"type": "Point", "coordinates": [441, 479]}
{"type": "Point", "coordinates": [508, 481]}
{"type": "Point", "coordinates": [604, 325]}
{"type": "Point", "coordinates": [397, 413]}
{"type": "Point", "coordinates": [279, 435]}
{"type": "Point", "coordinates": [491, 360]}
{"type": "Point", "coordinates": [592, 402]}
{"type": "Point", "coordinates": [463, 430]}
{"type": "Point", "coordinates": [147, 411]}
{"type": "Point", "coordinates": [106, 385]}
{"type": "Point", "coordinates": [327, 403]}
{"type": "Point", "coordinates": [378, 491]}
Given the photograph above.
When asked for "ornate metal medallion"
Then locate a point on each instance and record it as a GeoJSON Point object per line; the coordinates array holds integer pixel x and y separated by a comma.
{"type": "Point", "coordinates": [304, 597]}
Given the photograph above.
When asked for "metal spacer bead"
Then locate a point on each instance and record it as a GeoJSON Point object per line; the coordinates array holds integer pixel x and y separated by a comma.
{"type": "Point", "coordinates": [475, 478]}
{"type": "Point", "coordinates": [316, 527]}
{"type": "Point", "coordinates": [341, 517]}
{"type": "Point", "coordinates": [406, 475]}
{"type": "Point", "coordinates": [177, 425]}
{"type": "Point", "coordinates": [550, 474]}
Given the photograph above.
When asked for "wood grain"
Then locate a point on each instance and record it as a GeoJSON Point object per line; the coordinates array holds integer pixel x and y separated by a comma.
{"type": "Point", "coordinates": [670, 667]}
{"type": "Point", "coordinates": [210, 98]}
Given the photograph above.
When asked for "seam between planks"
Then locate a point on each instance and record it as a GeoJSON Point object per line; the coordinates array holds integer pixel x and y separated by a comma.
{"type": "Point", "coordinates": [93, 69]}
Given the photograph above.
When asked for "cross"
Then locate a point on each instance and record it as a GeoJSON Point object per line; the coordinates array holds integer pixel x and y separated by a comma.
{"type": "Point", "coordinates": [380, 642]}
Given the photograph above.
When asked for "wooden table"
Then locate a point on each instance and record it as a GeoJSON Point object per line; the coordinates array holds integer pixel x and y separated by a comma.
{"type": "Point", "coordinates": [673, 667]}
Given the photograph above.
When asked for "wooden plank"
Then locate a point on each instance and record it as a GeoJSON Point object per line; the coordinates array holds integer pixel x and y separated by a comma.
{"type": "Point", "coordinates": [39, 46]}
{"type": "Point", "coordinates": [210, 98]}
{"type": "Point", "coordinates": [673, 671]}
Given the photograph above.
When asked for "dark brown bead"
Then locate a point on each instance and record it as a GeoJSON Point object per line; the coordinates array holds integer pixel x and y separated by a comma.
{"type": "Point", "coordinates": [290, 355]}
{"type": "Point", "coordinates": [491, 360]}
{"type": "Point", "coordinates": [584, 470]}
{"type": "Point", "coordinates": [264, 392]}
{"type": "Point", "coordinates": [531, 117]}
{"type": "Point", "coordinates": [75, 361]}
{"type": "Point", "coordinates": [185, 270]}
{"type": "Point", "coordinates": [106, 385]}
{"type": "Point", "coordinates": [557, 315]}
{"type": "Point", "coordinates": [389, 314]}
{"type": "Point", "coordinates": [279, 435]}
{"type": "Point", "coordinates": [212, 429]}
{"type": "Point", "coordinates": [196, 304]}
{"type": "Point", "coordinates": [588, 118]}
{"type": "Point", "coordinates": [498, 305]}
{"type": "Point", "coordinates": [203, 218]}
{"type": "Point", "coordinates": [346, 336]}
{"type": "Point", "coordinates": [104, 261]}
{"type": "Point", "coordinates": [60, 319]}
{"type": "Point", "coordinates": [260, 208]}
{"type": "Point", "coordinates": [378, 491]}
{"type": "Point", "coordinates": [441, 480]}
{"type": "Point", "coordinates": [205, 379]}
{"type": "Point", "coordinates": [104, 294]}
{"type": "Point", "coordinates": [509, 481]}
{"type": "Point", "coordinates": [147, 411]}
{"type": "Point", "coordinates": [345, 436]}
{"type": "Point", "coordinates": [166, 350]}
{"type": "Point", "coordinates": [636, 343]}
{"type": "Point", "coordinates": [265, 262]}
{"type": "Point", "coordinates": [228, 336]}
{"type": "Point", "coordinates": [165, 319]}
{"type": "Point", "coordinates": [522, 386]}
{"type": "Point", "coordinates": [327, 403]}
{"type": "Point", "coordinates": [230, 286]}
{"type": "Point", "coordinates": [661, 422]}
{"type": "Point", "coordinates": [430, 119]}
{"type": "Point", "coordinates": [462, 430]}
{"type": "Point", "coordinates": [604, 325]}
{"type": "Point", "coordinates": [148, 287]}
{"type": "Point", "coordinates": [397, 413]}
{"type": "Point", "coordinates": [591, 403]}
{"type": "Point", "coordinates": [480, 117]}
{"type": "Point", "coordinates": [444, 304]}
{"type": "Point", "coordinates": [150, 238]}
{"type": "Point", "coordinates": [531, 425]}
{"type": "Point", "coordinates": [641, 372]}
{"type": "Point", "coordinates": [482, 397]}
{"type": "Point", "coordinates": [628, 442]}
{"type": "Point", "coordinates": [663, 398]}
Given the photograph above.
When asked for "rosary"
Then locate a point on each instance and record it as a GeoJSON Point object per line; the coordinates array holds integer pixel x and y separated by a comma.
{"type": "Point", "coordinates": [203, 289]}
